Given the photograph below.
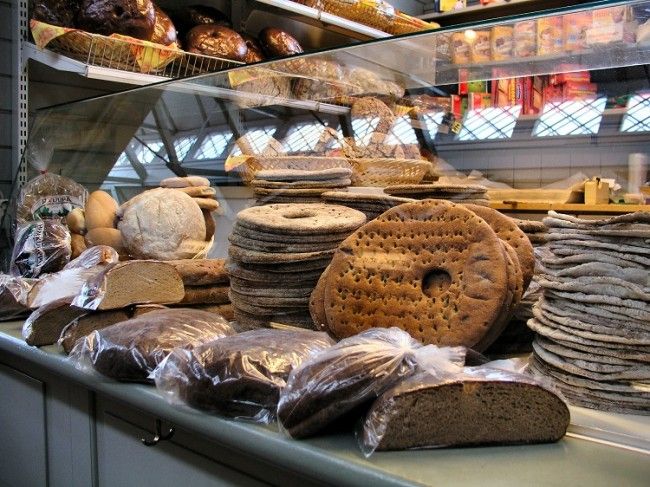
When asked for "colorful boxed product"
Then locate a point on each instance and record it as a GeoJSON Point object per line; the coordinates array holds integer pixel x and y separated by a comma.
{"type": "Point", "coordinates": [576, 27]}
{"type": "Point", "coordinates": [460, 48]}
{"type": "Point", "coordinates": [502, 42]}
{"type": "Point", "coordinates": [480, 51]}
{"type": "Point", "coordinates": [549, 36]}
{"type": "Point", "coordinates": [477, 101]}
{"type": "Point", "coordinates": [525, 38]}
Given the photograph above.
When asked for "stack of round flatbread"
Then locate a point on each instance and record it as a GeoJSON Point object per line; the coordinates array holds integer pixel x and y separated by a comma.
{"type": "Point", "coordinates": [199, 189]}
{"type": "Point", "coordinates": [517, 338]}
{"type": "Point", "coordinates": [457, 193]}
{"type": "Point", "coordinates": [277, 255]}
{"type": "Point", "coordinates": [593, 319]}
{"type": "Point", "coordinates": [371, 204]}
{"type": "Point", "coordinates": [448, 274]}
{"type": "Point", "coordinates": [297, 185]}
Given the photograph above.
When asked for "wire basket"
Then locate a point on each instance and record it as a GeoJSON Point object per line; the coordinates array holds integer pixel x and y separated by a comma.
{"type": "Point", "coordinates": [373, 13]}
{"type": "Point", "coordinates": [385, 172]}
{"type": "Point", "coordinates": [249, 166]}
{"type": "Point", "coordinates": [125, 53]}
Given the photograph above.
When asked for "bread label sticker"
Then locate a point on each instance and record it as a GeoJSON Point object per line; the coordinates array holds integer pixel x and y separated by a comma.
{"type": "Point", "coordinates": [55, 206]}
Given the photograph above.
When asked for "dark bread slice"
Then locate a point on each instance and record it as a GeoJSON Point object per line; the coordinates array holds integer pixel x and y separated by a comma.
{"type": "Point", "coordinates": [347, 375]}
{"type": "Point", "coordinates": [131, 350]}
{"type": "Point", "coordinates": [87, 323]}
{"type": "Point", "coordinates": [241, 375]}
{"type": "Point", "coordinates": [423, 411]}
{"type": "Point", "coordinates": [45, 324]}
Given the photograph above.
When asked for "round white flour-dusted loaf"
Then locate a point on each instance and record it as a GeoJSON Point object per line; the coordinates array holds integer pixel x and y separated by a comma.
{"type": "Point", "coordinates": [162, 224]}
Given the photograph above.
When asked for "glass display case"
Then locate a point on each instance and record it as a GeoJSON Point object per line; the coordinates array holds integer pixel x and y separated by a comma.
{"type": "Point", "coordinates": [520, 116]}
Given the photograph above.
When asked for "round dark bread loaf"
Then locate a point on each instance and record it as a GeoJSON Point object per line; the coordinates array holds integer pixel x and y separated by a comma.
{"type": "Point", "coordinates": [164, 31]}
{"type": "Point", "coordinates": [135, 18]}
{"type": "Point", "coordinates": [56, 12]}
{"type": "Point", "coordinates": [347, 375]}
{"type": "Point", "coordinates": [41, 247]}
{"type": "Point", "coordinates": [278, 43]}
{"type": "Point", "coordinates": [132, 349]}
{"type": "Point", "coordinates": [216, 40]}
{"type": "Point", "coordinates": [480, 407]}
{"type": "Point", "coordinates": [254, 54]}
{"type": "Point", "coordinates": [241, 375]}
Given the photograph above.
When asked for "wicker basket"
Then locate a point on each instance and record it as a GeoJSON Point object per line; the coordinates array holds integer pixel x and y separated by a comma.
{"type": "Point", "coordinates": [405, 24]}
{"type": "Point", "coordinates": [384, 172]}
{"type": "Point", "coordinates": [248, 166]}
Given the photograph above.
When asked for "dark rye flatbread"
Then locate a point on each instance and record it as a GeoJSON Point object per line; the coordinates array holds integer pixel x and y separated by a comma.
{"type": "Point", "coordinates": [597, 285]}
{"type": "Point", "coordinates": [287, 247]}
{"type": "Point", "coordinates": [593, 370]}
{"type": "Point", "coordinates": [618, 352]}
{"type": "Point", "coordinates": [573, 352]}
{"type": "Point", "coordinates": [636, 217]}
{"type": "Point", "coordinates": [303, 175]}
{"type": "Point", "coordinates": [551, 321]}
{"type": "Point", "coordinates": [635, 275]}
{"type": "Point", "coordinates": [331, 183]}
{"type": "Point", "coordinates": [633, 352]}
{"type": "Point", "coordinates": [267, 236]}
{"type": "Point", "coordinates": [594, 245]}
{"type": "Point", "coordinates": [595, 313]}
{"type": "Point", "coordinates": [256, 257]}
{"type": "Point", "coordinates": [563, 251]}
{"type": "Point", "coordinates": [630, 308]}
{"type": "Point", "coordinates": [256, 277]}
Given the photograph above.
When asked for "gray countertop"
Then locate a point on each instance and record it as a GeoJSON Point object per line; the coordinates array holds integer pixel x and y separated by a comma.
{"type": "Point", "coordinates": [336, 459]}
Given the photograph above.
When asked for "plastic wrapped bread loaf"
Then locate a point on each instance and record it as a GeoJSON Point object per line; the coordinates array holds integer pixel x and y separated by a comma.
{"type": "Point", "coordinates": [132, 349]}
{"type": "Point", "coordinates": [239, 376]}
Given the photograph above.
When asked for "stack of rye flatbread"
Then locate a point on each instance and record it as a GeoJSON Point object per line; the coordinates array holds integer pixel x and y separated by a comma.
{"type": "Point", "coordinates": [371, 204]}
{"type": "Point", "coordinates": [277, 255]}
{"type": "Point", "coordinates": [593, 320]}
{"type": "Point", "coordinates": [297, 185]}
{"type": "Point", "coordinates": [457, 193]}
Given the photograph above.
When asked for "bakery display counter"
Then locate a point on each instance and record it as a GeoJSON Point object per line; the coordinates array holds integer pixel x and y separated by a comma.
{"type": "Point", "coordinates": [253, 453]}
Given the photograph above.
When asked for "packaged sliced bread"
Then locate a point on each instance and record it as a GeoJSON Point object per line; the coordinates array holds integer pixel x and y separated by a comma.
{"type": "Point", "coordinates": [14, 294]}
{"type": "Point", "coordinates": [239, 376]}
{"type": "Point", "coordinates": [89, 322]}
{"type": "Point", "coordinates": [479, 406]}
{"type": "Point", "coordinates": [132, 349]}
{"type": "Point", "coordinates": [352, 372]}
{"type": "Point", "coordinates": [123, 284]}
{"type": "Point", "coordinates": [45, 324]}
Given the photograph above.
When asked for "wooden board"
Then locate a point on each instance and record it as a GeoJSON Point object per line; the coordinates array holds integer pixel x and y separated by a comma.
{"type": "Point", "coordinates": [568, 207]}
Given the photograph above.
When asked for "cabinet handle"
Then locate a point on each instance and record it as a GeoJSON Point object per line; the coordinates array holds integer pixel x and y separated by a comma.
{"type": "Point", "coordinates": [159, 436]}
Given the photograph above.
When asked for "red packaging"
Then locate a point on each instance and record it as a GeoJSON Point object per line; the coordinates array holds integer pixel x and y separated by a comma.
{"type": "Point", "coordinates": [479, 100]}
{"type": "Point", "coordinates": [537, 95]}
{"type": "Point", "coordinates": [552, 93]}
{"type": "Point", "coordinates": [577, 77]}
{"type": "Point", "coordinates": [577, 86]}
{"type": "Point", "coordinates": [458, 105]}
{"type": "Point", "coordinates": [518, 91]}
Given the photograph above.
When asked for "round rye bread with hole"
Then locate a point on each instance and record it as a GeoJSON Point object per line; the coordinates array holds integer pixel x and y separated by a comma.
{"type": "Point", "coordinates": [301, 219]}
{"type": "Point", "coordinates": [432, 268]}
{"type": "Point", "coordinates": [508, 231]}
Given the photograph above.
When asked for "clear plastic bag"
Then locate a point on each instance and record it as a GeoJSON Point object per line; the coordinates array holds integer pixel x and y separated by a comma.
{"type": "Point", "coordinates": [49, 196]}
{"type": "Point", "coordinates": [354, 371]}
{"type": "Point", "coordinates": [94, 256]}
{"type": "Point", "coordinates": [41, 247]}
{"type": "Point", "coordinates": [14, 294]}
{"type": "Point", "coordinates": [489, 404]}
{"type": "Point", "coordinates": [239, 376]}
{"type": "Point", "coordinates": [67, 283]}
{"type": "Point", "coordinates": [132, 349]}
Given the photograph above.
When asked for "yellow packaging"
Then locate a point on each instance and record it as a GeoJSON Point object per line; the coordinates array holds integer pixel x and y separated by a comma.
{"type": "Point", "coordinates": [460, 48]}
{"type": "Point", "coordinates": [549, 36]}
{"type": "Point", "coordinates": [480, 50]}
{"type": "Point", "coordinates": [525, 38]}
{"type": "Point", "coordinates": [447, 5]}
{"type": "Point", "coordinates": [501, 42]}
{"type": "Point", "coordinates": [575, 29]}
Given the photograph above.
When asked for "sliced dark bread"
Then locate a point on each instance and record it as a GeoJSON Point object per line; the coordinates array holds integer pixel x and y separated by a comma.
{"type": "Point", "coordinates": [423, 411]}
{"type": "Point", "coordinates": [45, 324]}
{"type": "Point", "coordinates": [86, 324]}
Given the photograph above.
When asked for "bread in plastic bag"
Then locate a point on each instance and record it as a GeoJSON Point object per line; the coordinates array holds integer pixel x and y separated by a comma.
{"type": "Point", "coordinates": [352, 372]}
{"type": "Point", "coordinates": [14, 294]}
{"type": "Point", "coordinates": [240, 376]}
{"type": "Point", "coordinates": [45, 324]}
{"type": "Point", "coordinates": [41, 247]}
{"type": "Point", "coordinates": [67, 283]}
{"type": "Point", "coordinates": [94, 256]}
{"type": "Point", "coordinates": [49, 196]}
{"type": "Point", "coordinates": [132, 349]}
{"type": "Point", "coordinates": [478, 406]}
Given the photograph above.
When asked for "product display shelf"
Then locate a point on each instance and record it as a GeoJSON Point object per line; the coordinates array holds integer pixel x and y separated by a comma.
{"type": "Point", "coordinates": [574, 208]}
{"type": "Point", "coordinates": [325, 20]}
{"type": "Point", "coordinates": [335, 459]}
{"type": "Point", "coordinates": [498, 9]}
